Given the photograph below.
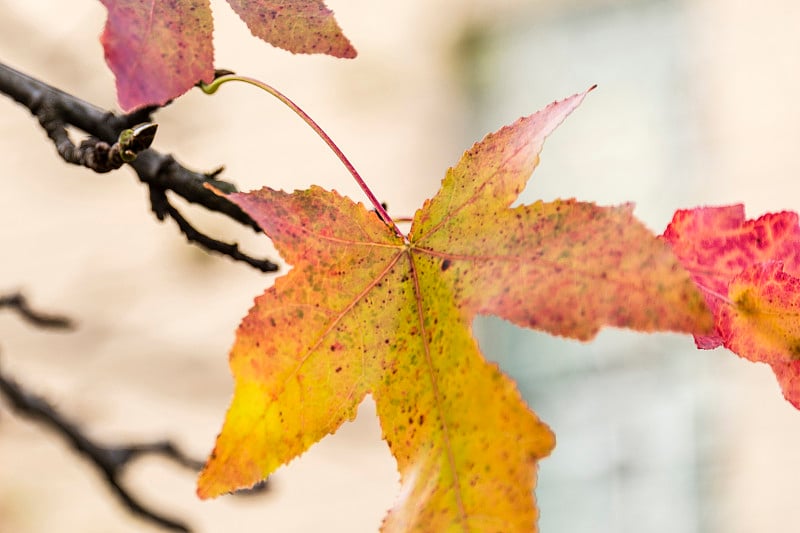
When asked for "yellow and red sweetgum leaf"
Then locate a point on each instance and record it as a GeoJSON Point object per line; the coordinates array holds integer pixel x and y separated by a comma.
{"type": "Point", "coordinates": [748, 271]}
{"type": "Point", "coordinates": [299, 26]}
{"type": "Point", "coordinates": [364, 311]}
{"type": "Point", "coordinates": [157, 50]}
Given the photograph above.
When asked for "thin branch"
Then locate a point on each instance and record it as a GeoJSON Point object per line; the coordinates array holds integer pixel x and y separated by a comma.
{"type": "Point", "coordinates": [110, 460]}
{"type": "Point", "coordinates": [163, 208]}
{"type": "Point", "coordinates": [93, 153]}
{"type": "Point", "coordinates": [56, 109]}
{"type": "Point", "coordinates": [19, 303]}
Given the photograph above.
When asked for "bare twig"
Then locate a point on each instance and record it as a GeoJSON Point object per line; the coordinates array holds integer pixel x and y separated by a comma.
{"type": "Point", "coordinates": [162, 208]}
{"type": "Point", "coordinates": [110, 460]}
{"type": "Point", "coordinates": [55, 109]}
{"type": "Point", "coordinates": [19, 303]}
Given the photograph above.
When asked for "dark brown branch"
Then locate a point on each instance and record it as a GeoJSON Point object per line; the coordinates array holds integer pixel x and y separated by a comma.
{"type": "Point", "coordinates": [110, 460]}
{"type": "Point", "coordinates": [163, 208]}
{"type": "Point", "coordinates": [19, 303]}
{"type": "Point", "coordinates": [93, 153]}
{"type": "Point", "coordinates": [56, 109]}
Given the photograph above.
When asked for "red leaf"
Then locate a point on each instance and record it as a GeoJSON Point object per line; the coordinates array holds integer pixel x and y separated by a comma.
{"type": "Point", "coordinates": [157, 50]}
{"type": "Point", "coordinates": [748, 272]}
{"type": "Point", "coordinates": [299, 26]}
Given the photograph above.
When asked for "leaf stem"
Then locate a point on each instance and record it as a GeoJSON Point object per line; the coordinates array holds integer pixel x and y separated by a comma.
{"type": "Point", "coordinates": [212, 87]}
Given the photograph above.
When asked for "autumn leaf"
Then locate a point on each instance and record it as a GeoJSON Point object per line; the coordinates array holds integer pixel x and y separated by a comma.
{"type": "Point", "coordinates": [300, 26]}
{"type": "Point", "coordinates": [748, 272]}
{"type": "Point", "coordinates": [159, 50]}
{"type": "Point", "coordinates": [366, 311]}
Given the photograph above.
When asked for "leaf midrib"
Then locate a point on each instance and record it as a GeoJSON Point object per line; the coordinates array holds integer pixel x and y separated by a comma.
{"type": "Point", "coordinates": [436, 394]}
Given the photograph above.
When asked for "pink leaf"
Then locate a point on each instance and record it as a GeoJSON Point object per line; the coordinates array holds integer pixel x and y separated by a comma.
{"type": "Point", "coordinates": [299, 26]}
{"type": "Point", "coordinates": [157, 50]}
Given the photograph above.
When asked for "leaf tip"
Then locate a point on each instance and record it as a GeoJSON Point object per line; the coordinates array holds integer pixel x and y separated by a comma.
{"type": "Point", "coordinates": [205, 490]}
{"type": "Point", "coordinates": [348, 52]}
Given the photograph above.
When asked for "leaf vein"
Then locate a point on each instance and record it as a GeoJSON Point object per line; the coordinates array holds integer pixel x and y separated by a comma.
{"type": "Point", "coordinates": [452, 212]}
{"type": "Point", "coordinates": [437, 395]}
{"type": "Point", "coordinates": [338, 317]}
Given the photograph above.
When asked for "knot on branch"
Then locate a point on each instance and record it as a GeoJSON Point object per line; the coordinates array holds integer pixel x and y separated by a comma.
{"type": "Point", "coordinates": [94, 153]}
